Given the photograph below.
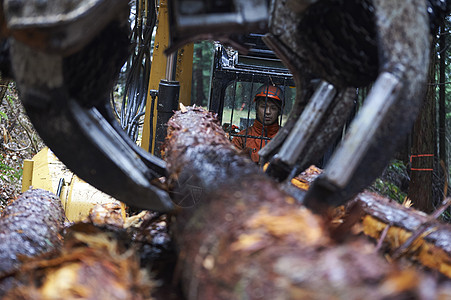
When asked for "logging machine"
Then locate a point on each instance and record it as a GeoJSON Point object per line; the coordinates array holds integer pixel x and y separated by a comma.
{"type": "Point", "coordinates": [66, 57]}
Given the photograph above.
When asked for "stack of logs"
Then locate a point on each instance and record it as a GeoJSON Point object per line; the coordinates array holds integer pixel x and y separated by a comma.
{"type": "Point", "coordinates": [94, 262]}
{"type": "Point", "coordinates": [247, 239]}
{"type": "Point", "coordinates": [237, 234]}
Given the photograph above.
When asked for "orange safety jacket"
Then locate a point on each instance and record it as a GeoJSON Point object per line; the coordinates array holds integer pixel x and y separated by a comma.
{"type": "Point", "coordinates": [253, 145]}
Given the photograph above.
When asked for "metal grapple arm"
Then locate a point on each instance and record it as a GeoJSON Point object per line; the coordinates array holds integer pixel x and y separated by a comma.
{"type": "Point", "coordinates": [65, 59]}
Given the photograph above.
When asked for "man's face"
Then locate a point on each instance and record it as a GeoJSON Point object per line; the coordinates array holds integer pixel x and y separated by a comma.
{"type": "Point", "coordinates": [267, 114]}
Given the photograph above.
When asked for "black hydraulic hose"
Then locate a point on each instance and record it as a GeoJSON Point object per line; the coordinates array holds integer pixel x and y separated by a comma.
{"type": "Point", "coordinates": [137, 73]}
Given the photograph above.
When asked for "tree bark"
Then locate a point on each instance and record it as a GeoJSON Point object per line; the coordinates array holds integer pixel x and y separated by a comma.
{"type": "Point", "coordinates": [432, 243]}
{"type": "Point", "coordinates": [423, 149]}
{"type": "Point", "coordinates": [240, 237]}
{"type": "Point", "coordinates": [95, 262]}
{"type": "Point", "coordinates": [431, 239]}
{"type": "Point", "coordinates": [442, 98]}
{"type": "Point", "coordinates": [30, 226]}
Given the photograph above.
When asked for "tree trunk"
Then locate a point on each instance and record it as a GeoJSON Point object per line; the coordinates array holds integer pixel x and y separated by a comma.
{"type": "Point", "coordinates": [442, 99]}
{"type": "Point", "coordinates": [442, 116]}
{"type": "Point", "coordinates": [241, 237]}
{"type": "Point", "coordinates": [423, 149]}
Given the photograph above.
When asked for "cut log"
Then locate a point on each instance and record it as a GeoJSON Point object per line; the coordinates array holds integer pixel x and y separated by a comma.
{"type": "Point", "coordinates": [240, 237]}
{"type": "Point", "coordinates": [432, 244]}
{"type": "Point", "coordinates": [409, 232]}
{"type": "Point", "coordinates": [99, 259]}
{"type": "Point", "coordinates": [94, 263]}
{"type": "Point", "coordinates": [29, 226]}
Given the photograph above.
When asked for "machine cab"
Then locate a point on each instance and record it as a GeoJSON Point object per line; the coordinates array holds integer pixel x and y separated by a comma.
{"type": "Point", "coordinates": [237, 77]}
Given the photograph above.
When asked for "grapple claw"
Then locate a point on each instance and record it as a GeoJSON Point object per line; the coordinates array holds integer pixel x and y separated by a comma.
{"type": "Point", "coordinates": [307, 124]}
{"type": "Point", "coordinates": [66, 96]}
{"type": "Point", "coordinates": [87, 143]}
{"type": "Point", "coordinates": [393, 50]}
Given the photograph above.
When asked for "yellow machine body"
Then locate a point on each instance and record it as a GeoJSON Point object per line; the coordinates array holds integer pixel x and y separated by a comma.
{"type": "Point", "coordinates": [46, 172]}
{"type": "Point", "coordinates": [183, 74]}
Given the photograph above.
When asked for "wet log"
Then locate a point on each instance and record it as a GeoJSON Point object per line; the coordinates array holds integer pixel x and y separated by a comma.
{"type": "Point", "coordinates": [407, 231]}
{"type": "Point", "coordinates": [94, 263]}
{"type": "Point", "coordinates": [403, 231]}
{"type": "Point", "coordinates": [99, 259]}
{"type": "Point", "coordinates": [240, 237]}
{"type": "Point", "coordinates": [29, 226]}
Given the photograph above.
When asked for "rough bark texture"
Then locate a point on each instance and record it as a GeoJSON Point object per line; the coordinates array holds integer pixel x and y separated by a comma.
{"type": "Point", "coordinates": [101, 259]}
{"type": "Point", "coordinates": [29, 226]}
{"type": "Point", "coordinates": [243, 238]}
{"type": "Point", "coordinates": [423, 143]}
{"type": "Point", "coordinates": [94, 263]}
{"type": "Point", "coordinates": [431, 247]}
{"type": "Point", "coordinates": [442, 97]}
{"type": "Point", "coordinates": [404, 231]}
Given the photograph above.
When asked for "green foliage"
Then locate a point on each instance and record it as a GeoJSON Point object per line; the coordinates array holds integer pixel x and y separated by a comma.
{"type": "Point", "coordinates": [8, 173]}
{"type": "Point", "coordinates": [397, 166]}
{"type": "Point", "coordinates": [390, 183]}
{"type": "Point", "coordinates": [446, 216]}
{"type": "Point", "coordinates": [202, 66]}
{"type": "Point", "coordinates": [10, 99]}
{"type": "Point", "coordinates": [388, 189]}
{"type": "Point", "coordinates": [3, 116]}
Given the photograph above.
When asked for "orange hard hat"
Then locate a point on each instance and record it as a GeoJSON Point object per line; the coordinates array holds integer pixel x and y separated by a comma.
{"type": "Point", "coordinates": [269, 91]}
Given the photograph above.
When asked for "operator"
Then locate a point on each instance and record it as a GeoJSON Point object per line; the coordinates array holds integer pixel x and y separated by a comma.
{"type": "Point", "coordinates": [268, 106]}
